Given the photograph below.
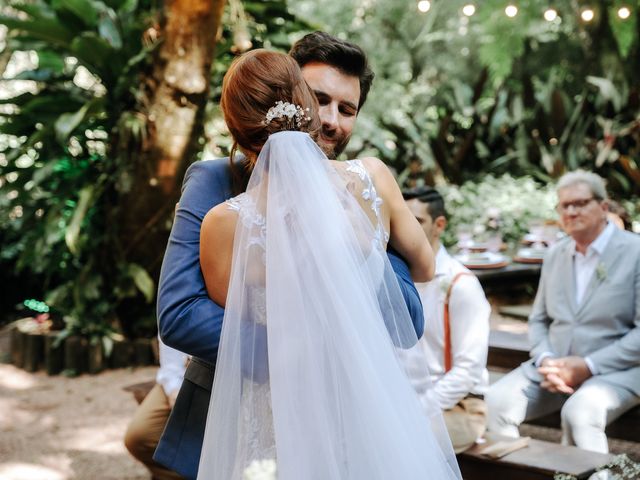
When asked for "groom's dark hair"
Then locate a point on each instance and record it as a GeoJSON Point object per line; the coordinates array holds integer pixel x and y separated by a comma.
{"type": "Point", "coordinates": [347, 57]}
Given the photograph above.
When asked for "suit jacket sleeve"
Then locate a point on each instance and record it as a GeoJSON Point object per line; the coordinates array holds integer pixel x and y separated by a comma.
{"type": "Point", "coordinates": [408, 289]}
{"type": "Point", "coordinates": [539, 319]}
{"type": "Point", "coordinates": [188, 320]}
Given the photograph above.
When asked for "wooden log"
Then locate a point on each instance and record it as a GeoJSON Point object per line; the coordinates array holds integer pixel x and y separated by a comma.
{"type": "Point", "coordinates": [96, 358]}
{"type": "Point", "coordinates": [155, 349]}
{"type": "Point", "coordinates": [143, 353]}
{"type": "Point", "coordinates": [33, 350]}
{"type": "Point", "coordinates": [17, 347]}
{"type": "Point", "coordinates": [53, 355]}
{"type": "Point", "coordinates": [75, 355]}
{"type": "Point", "coordinates": [122, 355]}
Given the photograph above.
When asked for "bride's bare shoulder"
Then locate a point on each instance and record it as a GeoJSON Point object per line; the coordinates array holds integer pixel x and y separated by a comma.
{"type": "Point", "coordinates": [219, 222]}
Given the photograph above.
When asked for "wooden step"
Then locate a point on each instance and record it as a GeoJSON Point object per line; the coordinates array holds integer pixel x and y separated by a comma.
{"type": "Point", "coordinates": [521, 312]}
{"type": "Point", "coordinates": [507, 349]}
{"type": "Point", "coordinates": [627, 427]}
{"type": "Point", "coordinates": [539, 460]}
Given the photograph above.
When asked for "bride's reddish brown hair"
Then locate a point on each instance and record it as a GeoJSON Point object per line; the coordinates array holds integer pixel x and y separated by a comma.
{"type": "Point", "coordinates": [253, 84]}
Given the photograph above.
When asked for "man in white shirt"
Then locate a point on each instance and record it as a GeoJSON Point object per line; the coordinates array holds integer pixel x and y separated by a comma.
{"type": "Point", "coordinates": [147, 425]}
{"type": "Point", "coordinates": [456, 334]}
{"type": "Point", "coordinates": [584, 329]}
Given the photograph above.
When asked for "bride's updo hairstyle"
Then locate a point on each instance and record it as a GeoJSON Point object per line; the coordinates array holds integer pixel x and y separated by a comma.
{"type": "Point", "coordinates": [253, 84]}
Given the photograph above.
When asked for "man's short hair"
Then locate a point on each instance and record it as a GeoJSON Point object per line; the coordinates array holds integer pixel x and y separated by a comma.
{"type": "Point", "coordinates": [345, 56]}
{"type": "Point", "coordinates": [430, 196]}
{"type": "Point", "coordinates": [592, 180]}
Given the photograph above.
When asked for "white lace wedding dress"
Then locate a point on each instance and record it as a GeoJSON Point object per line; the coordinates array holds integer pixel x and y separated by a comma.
{"type": "Point", "coordinates": [309, 372]}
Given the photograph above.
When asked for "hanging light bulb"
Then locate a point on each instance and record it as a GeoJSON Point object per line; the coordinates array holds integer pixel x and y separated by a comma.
{"type": "Point", "coordinates": [424, 5]}
{"type": "Point", "coordinates": [550, 14]}
{"type": "Point", "coordinates": [469, 9]}
{"type": "Point", "coordinates": [624, 13]}
{"type": "Point", "coordinates": [511, 11]}
{"type": "Point", "coordinates": [587, 15]}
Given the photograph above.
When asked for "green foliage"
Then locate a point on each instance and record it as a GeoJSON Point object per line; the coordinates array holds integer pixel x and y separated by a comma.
{"type": "Point", "coordinates": [70, 139]}
{"type": "Point", "coordinates": [59, 169]}
{"type": "Point", "coordinates": [458, 97]}
{"type": "Point", "coordinates": [502, 203]}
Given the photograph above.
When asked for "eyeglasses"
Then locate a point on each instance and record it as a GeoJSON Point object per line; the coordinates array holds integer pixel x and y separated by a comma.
{"type": "Point", "coordinates": [576, 204]}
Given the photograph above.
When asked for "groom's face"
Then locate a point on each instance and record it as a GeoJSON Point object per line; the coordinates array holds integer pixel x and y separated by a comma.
{"type": "Point", "coordinates": [338, 96]}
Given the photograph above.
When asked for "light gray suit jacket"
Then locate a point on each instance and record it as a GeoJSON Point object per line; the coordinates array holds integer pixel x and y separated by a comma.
{"type": "Point", "coordinates": [605, 326]}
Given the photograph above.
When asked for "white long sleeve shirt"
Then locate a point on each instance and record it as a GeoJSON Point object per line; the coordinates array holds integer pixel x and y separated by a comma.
{"type": "Point", "coordinates": [469, 313]}
{"type": "Point", "coordinates": [173, 364]}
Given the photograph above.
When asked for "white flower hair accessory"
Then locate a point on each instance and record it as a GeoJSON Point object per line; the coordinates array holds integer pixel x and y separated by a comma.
{"type": "Point", "coordinates": [295, 114]}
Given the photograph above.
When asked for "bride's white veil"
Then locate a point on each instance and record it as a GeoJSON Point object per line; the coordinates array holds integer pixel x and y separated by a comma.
{"type": "Point", "coordinates": [308, 372]}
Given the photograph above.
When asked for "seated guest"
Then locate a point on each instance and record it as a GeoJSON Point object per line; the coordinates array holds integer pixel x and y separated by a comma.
{"type": "Point", "coordinates": [584, 328]}
{"type": "Point", "coordinates": [456, 334]}
{"type": "Point", "coordinates": [618, 215]}
{"type": "Point", "coordinates": [147, 425]}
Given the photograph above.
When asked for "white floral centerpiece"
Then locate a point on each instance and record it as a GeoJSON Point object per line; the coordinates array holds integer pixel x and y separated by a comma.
{"type": "Point", "coordinates": [260, 470]}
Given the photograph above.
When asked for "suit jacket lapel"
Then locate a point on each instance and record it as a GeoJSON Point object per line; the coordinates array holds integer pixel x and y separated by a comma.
{"type": "Point", "coordinates": [605, 264]}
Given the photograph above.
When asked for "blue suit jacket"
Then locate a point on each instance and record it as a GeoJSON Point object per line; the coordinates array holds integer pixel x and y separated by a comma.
{"type": "Point", "coordinates": [190, 322]}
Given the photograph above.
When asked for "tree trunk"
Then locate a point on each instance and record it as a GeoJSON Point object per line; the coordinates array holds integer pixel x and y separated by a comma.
{"type": "Point", "coordinates": [177, 93]}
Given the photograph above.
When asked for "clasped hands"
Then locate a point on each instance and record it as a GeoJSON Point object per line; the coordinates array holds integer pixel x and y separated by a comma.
{"type": "Point", "coordinates": [563, 374]}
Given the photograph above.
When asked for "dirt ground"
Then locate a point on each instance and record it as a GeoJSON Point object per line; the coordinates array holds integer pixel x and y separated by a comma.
{"type": "Point", "coordinates": [58, 428]}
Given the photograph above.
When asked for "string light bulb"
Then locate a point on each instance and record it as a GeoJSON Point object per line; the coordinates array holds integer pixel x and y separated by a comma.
{"type": "Point", "coordinates": [550, 14]}
{"type": "Point", "coordinates": [511, 11]}
{"type": "Point", "coordinates": [424, 6]}
{"type": "Point", "coordinates": [587, 15]}
{"type": "Point", "coordinates": [469, 9]}
{"type": "Point", "coordinates": [624, 13]}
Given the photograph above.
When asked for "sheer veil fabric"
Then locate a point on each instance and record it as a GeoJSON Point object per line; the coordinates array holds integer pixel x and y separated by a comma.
{"type": "Point", "coordinates": [310, 366]}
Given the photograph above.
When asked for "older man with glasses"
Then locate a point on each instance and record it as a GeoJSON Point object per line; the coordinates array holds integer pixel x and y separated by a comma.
{"type": "Point", "coordinates": [584, 329]}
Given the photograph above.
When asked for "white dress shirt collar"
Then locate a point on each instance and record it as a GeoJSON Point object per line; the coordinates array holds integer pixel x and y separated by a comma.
{"type": "Point", "coordinates": [599, 244]}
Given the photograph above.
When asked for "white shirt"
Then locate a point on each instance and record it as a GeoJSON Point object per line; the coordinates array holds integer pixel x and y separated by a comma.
{"type": "Point", "coordinates": [584, 265]}
{"type": "Point", "coordinates": [469, 313]}
{"type": "Point", "coordinates": [173, 364]}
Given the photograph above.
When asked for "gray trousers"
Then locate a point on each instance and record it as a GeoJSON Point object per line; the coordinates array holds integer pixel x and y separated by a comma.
{"type": "Point", "coordinates": [515, 398]}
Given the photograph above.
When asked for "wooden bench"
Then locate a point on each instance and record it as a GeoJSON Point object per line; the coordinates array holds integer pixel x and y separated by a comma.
{"type": "Point", "coordinates": [506, 353]}
{"type": "Point", "coordinates": [539, 460]}
{"type": "Point", "coordinates": [627, 427]}
{"type": "Point", "coordinates": [140, 390]}
{"type": "Point", "coordinates": [507, 350]}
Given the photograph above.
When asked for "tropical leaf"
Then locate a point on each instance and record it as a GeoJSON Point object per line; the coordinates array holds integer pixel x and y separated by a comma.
{"type": "Point", "coordinates": [94, 52]}
{"type": "Point", "coordinates": [142, 280]}
{"type": "Point", "coordinates": [83, 10]}
{"type": "Point", "coordinates": [44, 28]}
{"type": "Point", "coordinates": [108, 28]}
{"type": "Point", "coordinates": [73, 230]}
{"type": "Point", "coordinates": [68, 122]}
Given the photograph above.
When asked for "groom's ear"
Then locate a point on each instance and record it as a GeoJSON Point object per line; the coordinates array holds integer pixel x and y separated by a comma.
{"type": "Point", "coordinates": [441, 224]}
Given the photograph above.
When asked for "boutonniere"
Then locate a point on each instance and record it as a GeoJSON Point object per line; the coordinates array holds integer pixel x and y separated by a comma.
{"type": "Point", "coordinates": [444, 284]}
{"type": "Point", "coordinates": [601, 272]}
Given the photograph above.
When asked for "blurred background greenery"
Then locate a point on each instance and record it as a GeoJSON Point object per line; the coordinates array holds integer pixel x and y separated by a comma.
{"type": "Point", "coordinates": [487, 100]}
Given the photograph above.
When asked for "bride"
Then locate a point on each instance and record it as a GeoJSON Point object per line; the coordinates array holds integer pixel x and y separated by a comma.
{"type": "Point", "coordinates": [309, 375]}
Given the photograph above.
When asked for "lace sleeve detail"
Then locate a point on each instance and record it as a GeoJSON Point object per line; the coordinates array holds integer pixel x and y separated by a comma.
{"type": "Point", "coordinates": [245, 206]}
{"type": "Point", "coordinates": [234, 204]}
{"type": "Point", "coordinates": [370, 195]}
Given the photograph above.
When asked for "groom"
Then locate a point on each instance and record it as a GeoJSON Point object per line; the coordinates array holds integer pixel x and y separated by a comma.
{"type": "Point", "coordinates": [189, 321]}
